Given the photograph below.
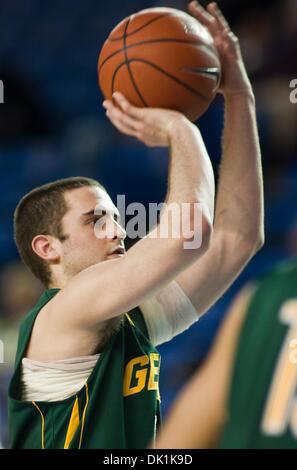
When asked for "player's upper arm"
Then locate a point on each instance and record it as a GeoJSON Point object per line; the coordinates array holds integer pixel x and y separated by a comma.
{"type": "Point", "coordinates": [199, 412]}
{"type": "Point", "coordinates": [113, 287]}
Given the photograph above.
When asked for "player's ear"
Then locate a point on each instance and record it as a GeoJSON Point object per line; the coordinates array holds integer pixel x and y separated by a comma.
{"type": "Point", "coordinates": [45, 247]}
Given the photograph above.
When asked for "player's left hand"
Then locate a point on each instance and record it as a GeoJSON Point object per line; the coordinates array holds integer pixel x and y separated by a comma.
{"type": "Point", "coordinates": [234, 76]}
{"type": "Point", "coordinates": [152, 126]}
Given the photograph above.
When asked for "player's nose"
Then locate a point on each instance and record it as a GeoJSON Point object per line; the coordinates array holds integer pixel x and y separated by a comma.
{"type": "Point", "coordinates": [119, 231]}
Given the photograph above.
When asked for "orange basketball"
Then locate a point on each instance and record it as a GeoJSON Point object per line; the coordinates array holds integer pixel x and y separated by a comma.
{"type": "Point", "coordinates": [161, 57]}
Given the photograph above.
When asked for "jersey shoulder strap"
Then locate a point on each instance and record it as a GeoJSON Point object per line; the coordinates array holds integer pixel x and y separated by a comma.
{"type": "Point", "coordinates": [137, 318]}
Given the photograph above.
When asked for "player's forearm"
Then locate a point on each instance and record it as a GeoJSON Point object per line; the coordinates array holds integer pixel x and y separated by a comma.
{"type": "Point", "coordinates": [191, 176]}
{"type": "Point", "coordinates": [239, 207]}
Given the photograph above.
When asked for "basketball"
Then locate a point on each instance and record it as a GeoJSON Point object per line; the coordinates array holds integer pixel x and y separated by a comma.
{"type": "Point", "coordinates": [161, 57]}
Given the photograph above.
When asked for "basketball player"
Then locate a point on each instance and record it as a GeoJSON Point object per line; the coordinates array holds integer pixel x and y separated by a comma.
{"type": "Point", "coordinates": [86, 367]}
{"type": "Point", "coordinates": [244, 395]}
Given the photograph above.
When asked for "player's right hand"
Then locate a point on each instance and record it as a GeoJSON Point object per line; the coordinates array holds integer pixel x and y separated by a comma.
{"type": "Point", "coordinates": [152, 126]}
{"type": "Point", "coordinates": [234, 76]}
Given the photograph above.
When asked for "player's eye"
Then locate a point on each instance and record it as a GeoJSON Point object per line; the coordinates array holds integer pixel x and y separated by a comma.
{"type": "Point", "coordinates": [94, 220]}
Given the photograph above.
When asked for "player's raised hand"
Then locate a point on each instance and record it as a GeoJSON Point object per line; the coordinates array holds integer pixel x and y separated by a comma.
{"type": "Point", "coordinates": [234, 76]}
{"type": "Point", "coordinates": [149, 125]}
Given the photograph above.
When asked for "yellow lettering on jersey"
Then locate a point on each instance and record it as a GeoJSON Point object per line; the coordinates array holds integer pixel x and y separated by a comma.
{"type": "Point", "coordinates": [137, 370]}
{"type": "Point", "coordinates": [154, 373]}
{"type": "Point", "coordinates": [132, 372]}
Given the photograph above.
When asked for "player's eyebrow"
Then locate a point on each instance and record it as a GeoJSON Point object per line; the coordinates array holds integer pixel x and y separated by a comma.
{"type": "Point", "coordinates": [110, 210]}
{"type": "Point", "coordinates": [92, 212]}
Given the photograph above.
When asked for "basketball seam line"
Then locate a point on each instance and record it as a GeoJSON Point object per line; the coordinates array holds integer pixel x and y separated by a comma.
{"type": "Point", "coordinates": [138, 29]}
{"type": "Point", "coordinates": [180, 82]}
{"type": "Point", "coordinates": [114, 75]}
{"type": "Point", "coordinates": [212, 72]}
{"type": "Point", "coordinates": [169, 75]}
{"type": "Point", "coordinates": [152, 41]}
{"type": "Point", "coordinates": [129, 68]}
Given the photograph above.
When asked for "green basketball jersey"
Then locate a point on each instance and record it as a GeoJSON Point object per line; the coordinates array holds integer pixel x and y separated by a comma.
{"type": "Point", "coordinates": [263, 396]}
{"type": "Point", "coordinates": [117, 408]}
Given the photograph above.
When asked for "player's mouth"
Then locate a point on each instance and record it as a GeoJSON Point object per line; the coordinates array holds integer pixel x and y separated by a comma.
{"type": "Point", "coordinates": [119, 251]}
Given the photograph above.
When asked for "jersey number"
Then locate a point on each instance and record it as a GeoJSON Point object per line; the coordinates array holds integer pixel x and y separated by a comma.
{"type": "Point", "coordinates": [281, 406]}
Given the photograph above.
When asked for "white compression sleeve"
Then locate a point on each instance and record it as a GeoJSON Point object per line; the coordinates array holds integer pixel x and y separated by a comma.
{"type": "Point", "coordinates": [168, 313]}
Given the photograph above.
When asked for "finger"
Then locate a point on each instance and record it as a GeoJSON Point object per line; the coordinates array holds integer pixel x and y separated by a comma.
{"type": "Point", "coordinates": [122, 127]}
{"type": "Point", "coordinates": [218, 15]}
{"type": "Point", "coordinates": [125, 119]}
{"type": "Point", "coordinates": [128, 108]}
{"type": "Point", "coordinates": [106, 104]}
{"type": "Point", "coordinates": [200, 13]}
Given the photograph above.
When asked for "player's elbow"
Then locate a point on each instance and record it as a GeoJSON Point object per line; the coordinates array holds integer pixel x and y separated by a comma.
{"type": "Point", "coordinates": [260, 241]}
{"type": "Point", "coordinates": [255, 242]}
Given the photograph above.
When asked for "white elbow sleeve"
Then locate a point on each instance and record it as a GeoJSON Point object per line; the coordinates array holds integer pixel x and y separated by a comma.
{"type": "Point", "coordinates": [168, 313]}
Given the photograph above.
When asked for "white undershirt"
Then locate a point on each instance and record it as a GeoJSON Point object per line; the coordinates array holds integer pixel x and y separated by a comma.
{"type": "Point", "coordinates": [166, 315]}
{"type": "Point", "coordinates": [53, 381]}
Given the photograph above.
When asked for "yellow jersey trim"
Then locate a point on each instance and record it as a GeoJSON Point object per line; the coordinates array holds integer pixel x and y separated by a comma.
{"type": "Point", "coordinates": [84, 415]}
{"type": "Point", "coordinates": [73, 424]}
{"type": "Point", "coordinates": [42, 423]}
{"type": "Point", "coordinates": [130, 319]}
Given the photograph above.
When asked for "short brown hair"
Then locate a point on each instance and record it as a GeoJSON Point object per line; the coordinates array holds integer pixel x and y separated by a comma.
{"type": "Point", "coordinates": [40, 212]}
